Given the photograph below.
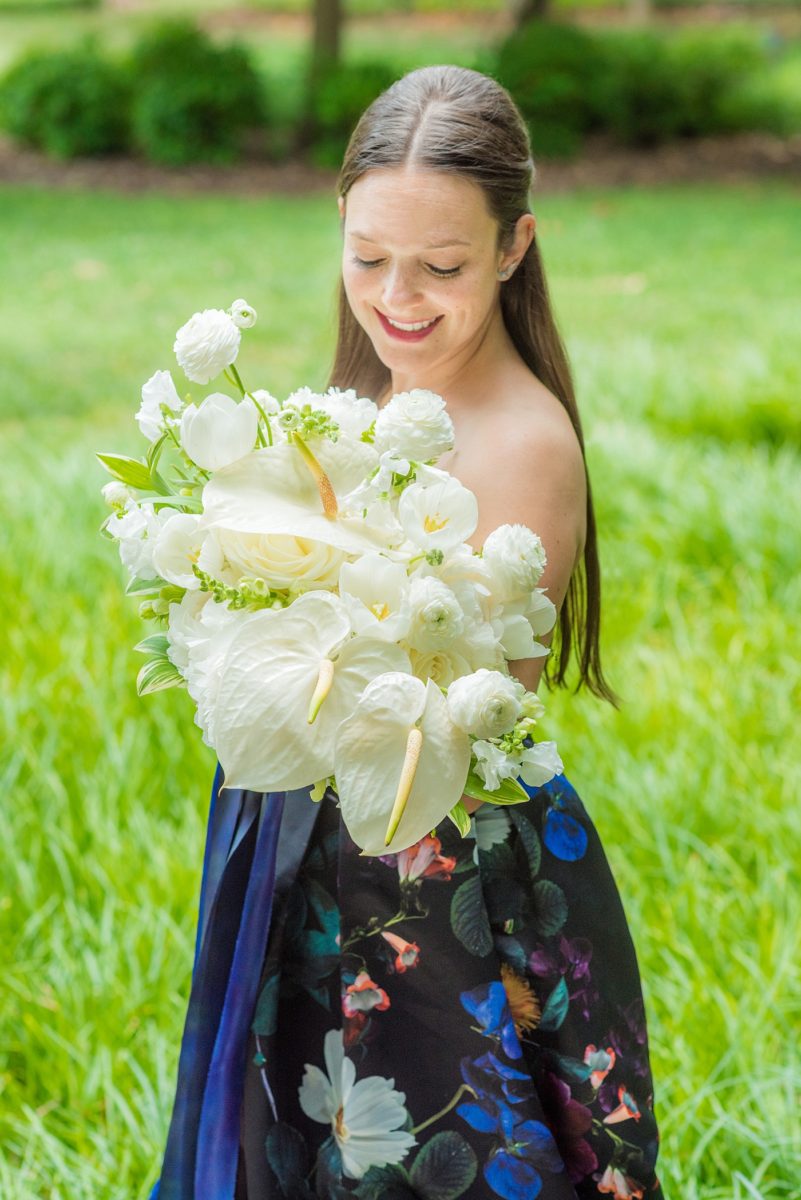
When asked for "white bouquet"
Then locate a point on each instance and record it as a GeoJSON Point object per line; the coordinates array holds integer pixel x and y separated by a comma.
{"type": "Point", "coordinates": [309, 570]}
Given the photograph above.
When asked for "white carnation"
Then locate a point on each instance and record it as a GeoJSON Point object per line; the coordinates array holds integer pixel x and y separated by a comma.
{"type": "Point", "coordinates": [158, 390]}
{"type": "Point", "coordinates": [516, 559]}
{"type": "Point", "coordinates": [486, 703]}
{"type": "Point", "coordinates": [415, 425]}
{"type": "Point", "coordinates": [206, 344]}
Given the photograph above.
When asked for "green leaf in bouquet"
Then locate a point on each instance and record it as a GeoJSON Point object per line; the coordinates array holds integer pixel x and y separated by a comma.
{"type": "Point", "coordinates": [157, 643]}
{"type": "Point", "coordinates": [509, 791]}
{"type": "Point", "coordinates": [138, 587]}
{"type": "Point", "coordinates": [154, 451]}
{"type": "Point", "coordinates": [460, 817]}
{"type": "Point", "coordinates": [134, 473]}
{"type": "Point", "coordinates": [157, 674]}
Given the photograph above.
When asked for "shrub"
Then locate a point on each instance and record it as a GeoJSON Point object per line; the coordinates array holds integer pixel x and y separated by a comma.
{"type": "Point", "coordinates": [339, 96]}
{"type": "Point", "coordinates": [66, 102]}
{"type": "Point", "coordinates": [553, 72]}
{"type": "Point", "coordinates": [642, 99]}
{"type": "Point", "coordinates": [713, 70]}
{"type": "Point", "coordinates": [193, 100]}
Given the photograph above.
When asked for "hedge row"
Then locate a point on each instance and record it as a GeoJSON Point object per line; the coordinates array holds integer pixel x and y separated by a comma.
{"type": "Point", "coordinates": [179, 97]}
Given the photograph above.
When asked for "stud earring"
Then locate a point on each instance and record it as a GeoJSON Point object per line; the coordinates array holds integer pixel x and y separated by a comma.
{"type": "Point", "coordinates": [505, 274]}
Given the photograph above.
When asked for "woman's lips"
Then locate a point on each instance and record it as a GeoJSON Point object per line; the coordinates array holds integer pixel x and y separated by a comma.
{"type": "Point", "coordinates": [404, 335]}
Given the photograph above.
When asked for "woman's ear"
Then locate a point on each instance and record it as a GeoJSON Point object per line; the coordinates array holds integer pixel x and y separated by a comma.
{"type": "Point", "coordinates": [341, 206]}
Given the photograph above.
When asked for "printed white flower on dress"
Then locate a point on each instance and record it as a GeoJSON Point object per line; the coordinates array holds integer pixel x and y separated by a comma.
{"type": "Point", "coordinates": [438, 516]}
{"type": "Point", "coordinates": [220, 432]}
{"type": "Point", "coordinates": [242, 315]}
{"type": "Point", "coordinates": [415, 425]}
{"type": "Point", "coordinates": [516, 560]}
{"type": "Point", "coordinates": [158, 390]}
{"type": "Point", "coordinates": [207, 344]}
{"type": "Point", "coordinates": [288, 679]}
{"type": "Point", "coordinates": [376, 592]}
{"type": "Point", "coordinates": [436, 614]}
{"type": "Point", "coordinates": [364, 1114]}
{"type": "Point", "coordinates": [177, 547]}
{"type": "Point", "coordinates": [398, 753]}
{"type": "Point", "coordinates": [486, 703]}
{"type": "Point", "coordinates": [539, 763]}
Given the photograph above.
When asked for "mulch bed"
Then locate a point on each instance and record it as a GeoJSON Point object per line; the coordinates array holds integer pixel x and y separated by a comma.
{"type": "Point", "coordinates": [732, 159]}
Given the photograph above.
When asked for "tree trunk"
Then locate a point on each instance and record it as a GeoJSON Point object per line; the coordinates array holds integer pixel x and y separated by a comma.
{"type": "Point", "coordinates": [528, 10]}
{"type": "Point", "coordinates": [326, 48]}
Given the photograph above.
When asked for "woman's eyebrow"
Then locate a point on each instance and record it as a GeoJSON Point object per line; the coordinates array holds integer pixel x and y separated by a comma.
{"type": "Point", "coordinates": [363, 237]}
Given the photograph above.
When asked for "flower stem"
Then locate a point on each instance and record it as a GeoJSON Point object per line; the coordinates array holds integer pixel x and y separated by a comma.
{"type": "Point", "coordinates": [451, 1104]}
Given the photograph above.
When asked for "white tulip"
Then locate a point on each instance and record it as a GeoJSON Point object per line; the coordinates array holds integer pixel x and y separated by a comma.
{"type": "Point", "coordinates": [438, 516]}
{"type": "Point", "coordinates": [220, 432]}
{"type": "Point", "coordinates": [206, 344]}
{"type": "Point", "coordinates": [177, 547]}
{"type": "Point", "coordinates": [415, 425]}
{"type": "Point", "coordinates": [516, 559]}
{"type": "Point", "coordinates": [376, 593]}
{"type": "Point", "coordinates": [242, 315]}
{"type": "Point", "coordinates": [158, 390]}
{"type": "Point", "coordinates": [486, 703]}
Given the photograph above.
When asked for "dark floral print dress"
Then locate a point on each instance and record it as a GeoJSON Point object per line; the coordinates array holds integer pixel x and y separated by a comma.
{"type": "Point", "coordinates": [460, 1020]}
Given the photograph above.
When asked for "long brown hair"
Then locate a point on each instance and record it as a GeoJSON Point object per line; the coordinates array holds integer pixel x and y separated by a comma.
{"type": "Point", "coordinates": [454, 119]}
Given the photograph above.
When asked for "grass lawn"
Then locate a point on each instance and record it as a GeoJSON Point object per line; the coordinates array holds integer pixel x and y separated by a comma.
{"type": "Point", "coordinates": [676, 306]}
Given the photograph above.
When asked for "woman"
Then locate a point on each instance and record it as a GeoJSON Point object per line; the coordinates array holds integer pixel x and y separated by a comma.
{"type": "Point", "coordinates": [483, 993]}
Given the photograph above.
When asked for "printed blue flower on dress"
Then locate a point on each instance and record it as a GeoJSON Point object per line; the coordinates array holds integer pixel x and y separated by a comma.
{"type": "Point", "coordinates": [489, 1005]}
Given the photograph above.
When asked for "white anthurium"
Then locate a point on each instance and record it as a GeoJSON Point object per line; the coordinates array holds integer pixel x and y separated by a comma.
{"type": "Point", "coordinates": [286, 683]}
{"type": "Point", "coordinates": [539, 763]}
{"type": "Point", "coordinates": [437, 616]}
{"type": "Point", "coordinates": [272, 491]}
{"type": "Point", "coordinates": [184, 626]}
{"type": "Point", "coordinates": [206, 646]}
{"type": "Point", "coordinates": [443, 666]}
{"type": "Point", "coordinates": [400, 763]}
{"type": "Point", "coordinates": [219, 432]}
{"type": "Point", "coordinates": [485, 704]}
{"type": "Point", "coordinates": [438, 516]}
{"type": "Point", "coordinates": [177, 548]}
{"type": "Point", "coordinates": [376, 592]}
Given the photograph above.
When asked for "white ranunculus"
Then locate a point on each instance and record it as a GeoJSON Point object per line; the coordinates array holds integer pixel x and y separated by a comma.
{"type": "Point", "coordinates": [207, 344]}
{"type": "Point", "coordinates": [443, 666]}
{"type": "Point", "coordinates": [479, 644]}
{"type": "Point", "coordinates": [137, 528]}
{"type": "Point", "coordinates": [354, 414]}
{"type": "Point", "coordinates": [436, 615]}
{"type": "Point", "coordinates": [158, 390]}
{"type": "Point", "coordinates": [281, 559]}
{"type": "Point", "coordinates": [242, 315]}
{"type": "Point", "coordinates": [364, 1114]}
{"type": "Point", "coordinates": [438, 516]}
{"type": "Point", "coordinates": [266, 400]}
{"type": "Point", "coordinates": [220, 432]}
{"type": "Point", "coordinates": [486, 703]}
{"type": "Point", "coordinates": [493, 765]}
{"type": "Point", "coordinates": [539, 763]}
{"type": "Point", "coordinates": [516, 559]}
{"type": "Point", "coordinates": [116, 494]}
{"type": "Point", "coordinates": [415, 425]}
{"type": "Point", "coordinates": [376, 592]}
{"type": "Point", "coordinates": [177, 547]}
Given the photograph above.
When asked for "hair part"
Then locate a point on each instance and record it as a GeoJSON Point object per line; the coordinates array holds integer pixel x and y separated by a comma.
{"type": "Point", "coordinates": [454, 119]}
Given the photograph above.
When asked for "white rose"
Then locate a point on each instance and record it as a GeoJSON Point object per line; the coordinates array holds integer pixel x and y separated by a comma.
{"type": "Point", "coordinates": [415, 425]}
{"type": "Point", "coordinates": [443, 666]}
{"type": "Point", "coordinates": [516, 560]}
{"type": "Point", "coordinates": [540, 763]}
{"type": "Point", "coordinates": [242, 315]}
{"type": "Point", "coordinates": [220, 431]}
{"type": "Point", "coordinates": [206, 344]}
{"type": "Point", "coordinates": [486, 703]}
{"type": "Point", "coordinates": [158, 390]}
{"type": "Point", "coordinates": [437, 616]}
{"type": "Point", "coordinates": [116, 494]}
{"type": "Point", "coordinates": [177, 548]}
{"type": "Point", "coordinates": [280, 558]}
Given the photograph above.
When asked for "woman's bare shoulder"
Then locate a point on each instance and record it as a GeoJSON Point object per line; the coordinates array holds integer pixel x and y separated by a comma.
{"type": "Point", "coordinates": [531, 428]}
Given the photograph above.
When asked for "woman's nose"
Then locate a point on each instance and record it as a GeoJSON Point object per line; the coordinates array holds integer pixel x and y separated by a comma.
{"type": "Point", "coordinates": [400, 289]}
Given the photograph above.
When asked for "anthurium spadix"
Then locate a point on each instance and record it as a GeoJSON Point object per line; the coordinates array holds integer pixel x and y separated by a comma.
{"type": "Point", "coordinates": [400, 763]}
{"type": "Point", "coordinates": [272, 491]}
{"type": "Point", "coordinates": [288, 679]}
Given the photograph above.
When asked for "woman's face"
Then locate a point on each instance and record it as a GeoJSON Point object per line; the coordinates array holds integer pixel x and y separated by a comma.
{"type": "Point", "coordinates": [420, 249]}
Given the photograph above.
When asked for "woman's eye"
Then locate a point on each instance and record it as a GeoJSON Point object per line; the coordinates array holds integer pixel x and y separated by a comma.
{"type": "Point", "coordinates": [363, 262]}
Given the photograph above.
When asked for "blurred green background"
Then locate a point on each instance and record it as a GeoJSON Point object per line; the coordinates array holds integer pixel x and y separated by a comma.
{"type": "Point", "coordinates": [679, 305]}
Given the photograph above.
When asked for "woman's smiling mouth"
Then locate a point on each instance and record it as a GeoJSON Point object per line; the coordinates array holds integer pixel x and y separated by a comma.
{"type": "Point", "coordinates": [412, 331]}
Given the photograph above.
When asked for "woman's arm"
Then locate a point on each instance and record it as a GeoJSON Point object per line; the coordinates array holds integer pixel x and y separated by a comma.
{"type": "Point", "coordinates": [535, 476]}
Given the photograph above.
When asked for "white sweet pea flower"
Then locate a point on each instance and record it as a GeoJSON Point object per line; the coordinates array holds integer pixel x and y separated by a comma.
{"type": "Point", "coordinates": [493, 765]}
{"type": "Point", "coordinates": [287, 681]}
{"type": "Point", "coordinates": [364, 1115]}
{"type": "Point", "coordinates": [207, 344]}
{"type": "Point", "coordinates": [415, 425]}
{"type": "Point", "coordinates": [389, 463]}
{"type": "Point", "coordinates": [220, 432]}
{"type": "Point", "coordinates": [177, 547]}
{"type": "Point", "coordinates": [242, 315]}
{"type": "Point", "coordinates": [376, 592]}
{"type": "Point", "coordinates": [400, 763]}
{"type": "Point", "coordinates": [486, 703]}
{"type": "Point", "coordinates": [137, 528]}
{"type": "Point", "coordinates": [158, 390]}
{"type": "Point", "coordinates": [116, 494]}
{"type": "Point", "coordinates": [539, 763]}
{"type": "Point", "coordinates": [516, 559]}
{"type": "Point", "coordinates": [438, 516]}
{"type": "Point", "coordinates": [436, 614]}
